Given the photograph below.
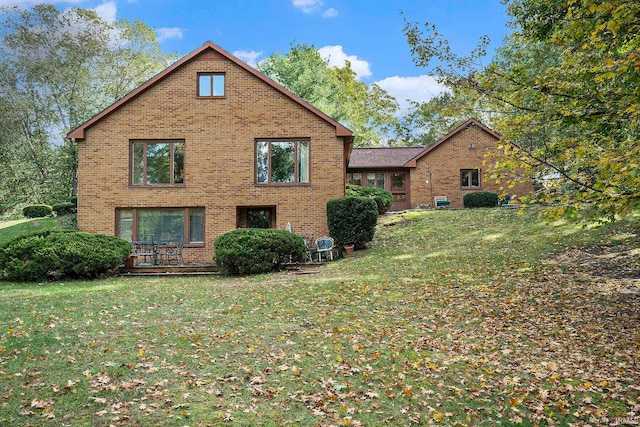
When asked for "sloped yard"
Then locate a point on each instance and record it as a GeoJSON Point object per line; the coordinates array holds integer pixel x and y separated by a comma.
{"type": "Point", "coordinates": [479, 318]}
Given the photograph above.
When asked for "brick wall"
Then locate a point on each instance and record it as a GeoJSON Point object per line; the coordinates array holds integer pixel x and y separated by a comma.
{"type": "Point", "coordinates": [219, 139]}
{"type": "Point", "coordinates": [464, 150]}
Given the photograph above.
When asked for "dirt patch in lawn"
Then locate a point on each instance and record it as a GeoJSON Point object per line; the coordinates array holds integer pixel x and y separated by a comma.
{"type": "Point", "coordinates": [612, 268]}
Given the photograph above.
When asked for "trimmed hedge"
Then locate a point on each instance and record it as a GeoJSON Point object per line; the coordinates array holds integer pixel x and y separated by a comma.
{"type": "Point", "coordinates": [54, 255]}
{"type": "Point", "coordinates": [37, 211]}
{"type": "Point", "coordinates": [64, 208]}
{"type": "Point", "coordinates": [480, 199]}
{"type": "Point", "coordinates": [352, 220]}
{"type": "Point", "coordinates": [257, 250]}
{"type": "Point", "coordinates": [383, 198]}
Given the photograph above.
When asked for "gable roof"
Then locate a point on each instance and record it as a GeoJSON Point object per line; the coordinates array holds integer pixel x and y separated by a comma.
{"type": "Point", "coordinates": [79, 132]}
{"type": "Point", "coordinates": [383, 157]}
{"type": "Point", "coordinates": [406, 157]}
{"type": "Point", "coordinates": [469, 123]}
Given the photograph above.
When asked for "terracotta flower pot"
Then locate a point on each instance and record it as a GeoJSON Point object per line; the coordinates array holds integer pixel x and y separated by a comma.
{"type": "Point", "coordinates": [348, 249]}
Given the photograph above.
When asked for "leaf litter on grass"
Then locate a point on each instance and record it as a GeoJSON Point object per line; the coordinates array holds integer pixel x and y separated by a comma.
{"type": "Point", "coordinates": [441, 322]}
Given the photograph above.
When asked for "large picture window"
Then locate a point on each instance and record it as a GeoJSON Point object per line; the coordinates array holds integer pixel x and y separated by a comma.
{"type": "Point", "coordinates": [161, 225]}
{"type": "Point", "coordinates": [470, 178]}
{"type": "Point", "coordinates": [282, 161]}
{"type": "Point", "coordinates": [157, 162]}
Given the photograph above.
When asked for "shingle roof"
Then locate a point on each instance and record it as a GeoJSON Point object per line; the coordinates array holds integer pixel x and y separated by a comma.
{"type": "Point", "coordinates": [383, 157]}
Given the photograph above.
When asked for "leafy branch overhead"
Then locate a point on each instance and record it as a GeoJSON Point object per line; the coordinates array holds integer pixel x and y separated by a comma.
{"type": "Point", "coordinates": [564, 91]}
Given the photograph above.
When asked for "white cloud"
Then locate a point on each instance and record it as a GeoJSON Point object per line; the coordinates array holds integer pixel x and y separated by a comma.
{"type": "Point", "coordinates": [307, 6]}
{"type": "Point", "coordinates": [330, 13]}
{"type": "Point", "coordinates": [167, 33]}
{"type": "Point", "coordinates": [337, 58]}
{"type": "Point", "coordinates": [248, 56]}
{"type": "Point", "coordinates": [419, 89]}
{"type": "Point", "coordinates": [107, 11]}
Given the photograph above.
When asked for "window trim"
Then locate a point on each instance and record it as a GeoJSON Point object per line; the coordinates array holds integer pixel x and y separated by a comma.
{"type": "Point", "coordinates": [147, 142]}
{"type": "Point", "coordinates": [296, 162]}
{"type": "Point", "coordinates": [471, 186]}
{"type": "Point", "coordinates": [211, 76]}
{"type": "Point", "coordinates": [186, 224]}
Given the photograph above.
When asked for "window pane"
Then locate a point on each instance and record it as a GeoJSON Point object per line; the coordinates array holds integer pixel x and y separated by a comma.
{"type": "Point", "coordinates": [258, 218]}
{"type": "Point", "coordinates": [218, 85]}
{"type": "Point", "coordinates": [137, 167]}
{"type": "Point", "coordinates": [349, 178]}
{"type": "Point", "coordinates": [125, 224]}
{"type": "Point", "coordinates": [262, 161]}
{"type": "Point", "coordinates": [380, 178]}
{"type": "Point", "coordinates": [475, 178]}
{"type": "Point", "coordinates": [282, 161]}
{"type": "Point", "coordinates": [371, 179]}
{"type": "Point", "coordinates": [204, 85]}
{"type": "Point", "coordinates": [357, 178]}
{"type": "Point", "coordinates": [397, 182]}
{"type": "Point", "coordinates": [178, 162]}
{"type": "Point", "coordinates": [303, 161]}
{"type": "Point", "coordinates": [158, 163]}
{"type": "Point", "coordinates": [196, 225]}
{"type": "Point", "coordinates": [163, 225]}
{"type": "Point", "coordinates": [464, 178]}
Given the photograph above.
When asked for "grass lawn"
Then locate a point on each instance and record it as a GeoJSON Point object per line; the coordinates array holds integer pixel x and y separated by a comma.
{"type": "Point", "coordinates": [453, 317]}
{"type": "Point", "coordinates": [11, 229]}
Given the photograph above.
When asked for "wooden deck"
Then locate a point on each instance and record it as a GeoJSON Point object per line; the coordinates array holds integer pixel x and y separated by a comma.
{"type": "Point", "coordinates": [201, 269]}
{"type": "Point", "coordinates": [169, 270]}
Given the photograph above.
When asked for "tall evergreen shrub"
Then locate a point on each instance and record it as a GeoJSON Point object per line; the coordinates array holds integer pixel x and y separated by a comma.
{"type": "Point", "coordinates": [352, 220]}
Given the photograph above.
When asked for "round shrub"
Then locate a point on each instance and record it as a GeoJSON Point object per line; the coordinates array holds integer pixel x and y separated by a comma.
{"type": "Point", "coordinates": [64, 208]}
{"type": "Point", "coordinates": [54, 255]}
{"type": "Point", "coordinates": [37, 211]}
{"type": "Point", "coordinates": [257, 250]}
{"type": "Point", "coordinates": [383, 198]}
{"type": "Point", "coordinates": [480, 199]}
{"type": "Point", "coordinates": [352, 220]}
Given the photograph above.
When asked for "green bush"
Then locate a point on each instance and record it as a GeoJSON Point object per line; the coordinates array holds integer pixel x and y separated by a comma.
{"type": "Point", "coordinates": [480, 199]}
{"type": "Point", "coordinates": [37, 211]}
{"type": "Point", "coordinates": [54, 255]}
{"type": "Point", "coordinates": [352, 220]}
{"type": "Point", "coordinates": [383, 198]}
{"type": "Point", "coordinates": [64, 208]}
{"type": "Point", "coordinates": [257, 250]}
{"type": "Point", "coordinates": [73, 200]}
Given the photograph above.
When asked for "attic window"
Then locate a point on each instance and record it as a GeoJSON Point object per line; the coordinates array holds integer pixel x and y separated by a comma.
{"type": "Point", "coordinates": [211, 85]}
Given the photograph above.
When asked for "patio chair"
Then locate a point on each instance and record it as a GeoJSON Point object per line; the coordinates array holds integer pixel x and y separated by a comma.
{"type": "Point", "coordinates": [171, 252]}
{"type": "Point", "coordinates": [324, 245]}
{"type": "Point", "coordinates": [146, 252]}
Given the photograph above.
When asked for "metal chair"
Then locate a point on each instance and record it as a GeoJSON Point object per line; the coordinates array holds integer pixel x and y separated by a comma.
{"type": "Point", "coordinates": [146, 252]}
{"type": "Point", "coordinates": [324, 245]}
{"type": "Point", "coordinates": [172, 252]}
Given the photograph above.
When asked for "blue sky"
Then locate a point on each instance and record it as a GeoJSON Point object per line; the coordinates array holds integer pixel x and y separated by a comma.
{"type": "Point", "coordinates": [367, 32]}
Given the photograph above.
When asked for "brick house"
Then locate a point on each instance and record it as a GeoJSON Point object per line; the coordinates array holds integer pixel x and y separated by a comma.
{"type": "Point", "coordinates": [206, 146]}
{"type": "Point", "coordinates": [451, 167]}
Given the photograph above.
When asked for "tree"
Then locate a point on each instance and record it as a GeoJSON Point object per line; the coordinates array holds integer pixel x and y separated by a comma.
{"type": "Point", "coordinates": [425, 123]}
{"type": "Point", "coordinates": [369, 111]}
{"type": "Point", "coordinates": [58, 69]}
{"type": "Point", "coordinates": [566, 87]}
